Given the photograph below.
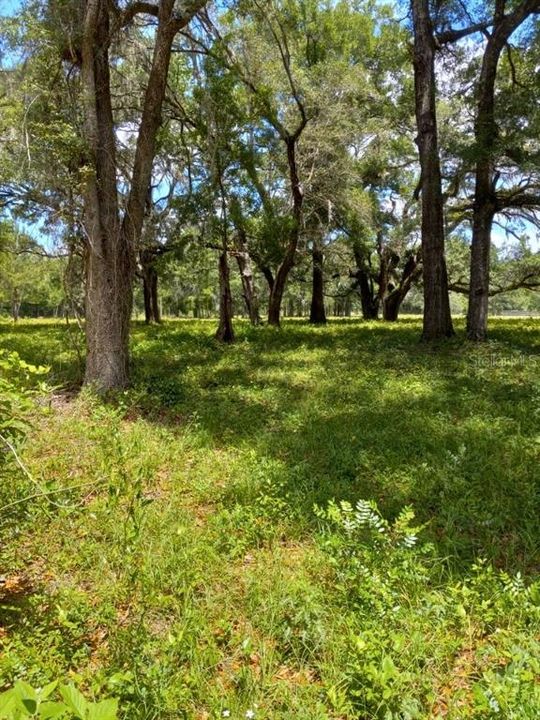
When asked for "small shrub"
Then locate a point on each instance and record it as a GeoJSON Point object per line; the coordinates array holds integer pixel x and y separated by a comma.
{"type": "Point", "coordinates": [404, 616]}
{"type": "Point", "coordinates": [53, 701]}
{"type": "Point", "coordinates": [20, 382]}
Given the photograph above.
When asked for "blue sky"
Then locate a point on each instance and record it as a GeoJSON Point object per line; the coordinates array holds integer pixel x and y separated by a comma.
{"type": "Point", "coordinates": [9, 7]}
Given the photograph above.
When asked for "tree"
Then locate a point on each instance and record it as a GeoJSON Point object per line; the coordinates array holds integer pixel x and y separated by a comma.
{"type": "Point", "coordinates": [112, 237]}
{"type": "Point", "coordinates": [504, 24]}
{"type": "Point", "coordinates": [437, 318]}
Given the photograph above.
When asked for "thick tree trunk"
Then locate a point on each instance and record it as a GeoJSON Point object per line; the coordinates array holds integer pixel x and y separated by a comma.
{"type": "Point", "coordinates": [225, 332]}
{"type": "Point", "coordinates": [368, 299]}
{"type": "Point", "coordinates": [276, 297]}
{"type": "Point", "coordinates": [484, 194]}
{"type": "Point", "coordinates": [317, 313]}
{"type": "Point", "coordinates": [437, 319]}
{"type": "Point", "coordinates": [477, 314]}
{"type": "Point", "coordinates": [391, 305]}
{"type": "Point", "coordinates": [485, 201]}
{"type": "Point", "coordinates": [109, 265]}
{"type": "Point", "coordinates": [111, 242]}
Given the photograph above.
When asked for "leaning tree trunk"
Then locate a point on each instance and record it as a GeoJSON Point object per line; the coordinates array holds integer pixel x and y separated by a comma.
{"type": "Point", "coordinates": [317, 313]}
{"type": "Point", "coordinates": [393, 297]}
{"type": "Point", "coordinates": [276, 293]}
{"type": "Point", "coordinates": [278, 288]}
{"type": "Point", "coordinates": [368, 300]}
{"type": "Point", "coordinates": [485, 201]}
{"type": "Point", "coordinates": [391, 305]}
{"type": "Point", "coordinates": [225, 332]}
{"type": "Point", "coordinates": [437, 318]}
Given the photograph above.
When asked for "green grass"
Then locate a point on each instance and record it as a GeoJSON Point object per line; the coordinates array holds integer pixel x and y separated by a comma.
{"type": "Point", "coordinates": [187, 571]}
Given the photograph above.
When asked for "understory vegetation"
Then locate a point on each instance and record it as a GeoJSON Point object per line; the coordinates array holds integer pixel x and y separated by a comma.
{"type": "Point", "coordinates": [312, 523]}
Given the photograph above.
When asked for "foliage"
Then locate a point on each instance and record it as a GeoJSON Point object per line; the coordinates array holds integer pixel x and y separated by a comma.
{"type": "Point", "coordinates": [394, 588]}
{"type": "Point", "coordinates": [20, 383]}
{"type": "Point", "coordinates": [23, 701]}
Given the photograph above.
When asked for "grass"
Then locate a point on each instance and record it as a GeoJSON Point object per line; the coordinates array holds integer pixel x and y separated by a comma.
{"type": "Point", "coordinates": [188, 571]}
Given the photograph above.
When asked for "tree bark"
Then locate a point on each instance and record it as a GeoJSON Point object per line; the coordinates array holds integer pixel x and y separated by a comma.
{"type": "Point", "coordinates": [16, 305]}
{"type": "Point", "coordinates": [391, 305]}
{"type": "Point", "coordinates": [268, 276]}
{"type": "Point", "coordinates": [152, 312]}
{"type": "Point", "coordinates": [393, 297]}
{"type": "Point", "coordinates": [286, 265]}
{"type": "Point", "coordinates": [485, 201]}
{"type": "Point", "coordinates": [437, 318]}
{"type": "Point", "coordinates": [111, 242]}
{"type": "Point", "coordinates": [243, 261]}
{"type": "Point", "coordinates": [109, 265]}
{"type": "Point", "coordinates": [317, 314]}
{"type": "Point", "coordinates": [225, 331]}
{"type": "Point", "coordinates": [368, 299]}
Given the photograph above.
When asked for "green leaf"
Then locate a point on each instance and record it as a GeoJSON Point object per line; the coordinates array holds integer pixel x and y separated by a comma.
{"type": "Point", "coordinates": [75, 701]}
{"type": "Point", "coordinates": [50, 710]}
{"type": "Point", "coordinates": [388, 667]}
{"type": "Point", "coordinates": [47, 690]}
{"type": "Point", "coordinates": [26, 697]}
{"type": "Point", "coordinates": [7, 703]}
{"type": "Point", "coordinates": [104, 710]}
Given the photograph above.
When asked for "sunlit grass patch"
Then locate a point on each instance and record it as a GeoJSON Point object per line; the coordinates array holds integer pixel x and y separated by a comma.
{"type": "Point", "coordinates": [180, 565]}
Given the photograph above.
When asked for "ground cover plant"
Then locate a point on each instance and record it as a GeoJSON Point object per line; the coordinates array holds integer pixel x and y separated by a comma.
{"type": "Point", "coordinates": [335, 522]}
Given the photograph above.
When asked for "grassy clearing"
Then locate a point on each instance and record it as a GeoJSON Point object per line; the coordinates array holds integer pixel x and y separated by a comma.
{"type": "Point", "coordinates": [188, 572]}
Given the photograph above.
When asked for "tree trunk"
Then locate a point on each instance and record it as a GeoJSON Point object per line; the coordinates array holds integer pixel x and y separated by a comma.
{"type": "Point", "coordinates": [317, 314]}
{"type": "Point", "coordinates": [368, 298]}
{"type": "Point", "coordinates": [278, 288]}
{"type": "Point", "coordinates": [477, 313]}
{"type": "Point", "coordinates": [16, 305]}
{"type": "Point", "coordinates": [274, 301]}
{"type": "Point", "coordinates": [485, 201]}
{"type": "Point", "coordinates": [391, 305]}
{"type": "Point", "coordinates": [109, 265]}
{"type": "Point", "coordinates": [393, 297]}
{"type": "Point", "coordinates": [243, 260]}
{"type": "Point", "coordinates": [152, 312]}
{"type": "Point", "coordinates": [225, 332]}
{"type": "Point", "coordinates": [484, 194]}
{"type": "Point", "coordinates": [437, 319]}
{"type": "Point", "coordinates": [268, 276]}
{"type": "Point", "coordinates": [111, 242]}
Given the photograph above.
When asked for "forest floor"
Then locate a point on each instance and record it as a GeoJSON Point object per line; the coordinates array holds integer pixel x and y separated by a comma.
{"type": "Point", "coordinates": [188, 558]}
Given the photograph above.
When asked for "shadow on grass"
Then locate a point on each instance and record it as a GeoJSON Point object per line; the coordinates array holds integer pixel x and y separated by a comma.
{"type": "Point", "coordinates": [355, 410]}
